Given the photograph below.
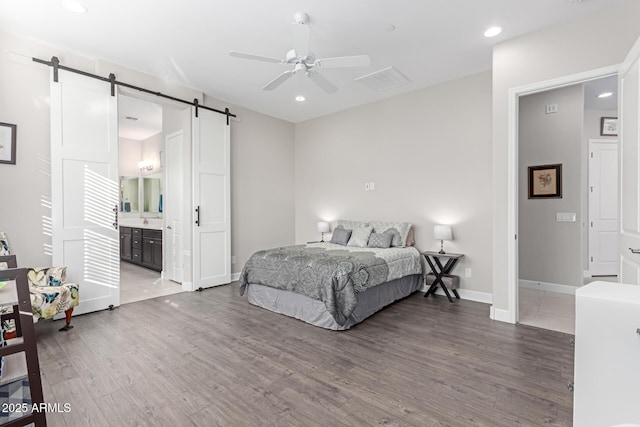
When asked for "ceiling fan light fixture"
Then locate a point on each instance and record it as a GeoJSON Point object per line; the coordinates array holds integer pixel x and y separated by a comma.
{"type": "Point", "coordinates": [300, 98]}
{"type": "Point", "coordinates": [492, 32]}
{"type": "Point", "coordinates": [74, 6]}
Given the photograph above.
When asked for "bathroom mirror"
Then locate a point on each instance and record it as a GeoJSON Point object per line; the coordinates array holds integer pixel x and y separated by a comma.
{"type": "Point", "coordinates": [152, 196]}
{"type": "Point", "coordinates": [129, 187]}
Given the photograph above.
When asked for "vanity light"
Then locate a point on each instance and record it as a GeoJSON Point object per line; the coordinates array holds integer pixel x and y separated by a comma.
{"type": "Point", "coordinates": [492, 32]}
{"type": "Point", "coordinates": [145, 165]}
{"type": "Point", "coordinates": [74, 6]}
{"type": "Point", "coordinates": [605, 94]}
{"type": "Point", "coordinates": [300, 98]}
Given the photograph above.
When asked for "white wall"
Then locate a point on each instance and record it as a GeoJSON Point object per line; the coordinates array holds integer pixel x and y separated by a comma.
{"type": "Point", "coordinates": [262, 184]}
{"type": "Point", "coordinates": [550, 251]}
{"type": "Point", "coordinates": [150, 150]}
{"type": "Point", "coordinates": [262, 155]}
{"type": "Point", "coordinates": [129, 154]}
{"type": "Point", "coordinates": [428, 153]}
{"type": "Point", "coordinates": [591, 42]}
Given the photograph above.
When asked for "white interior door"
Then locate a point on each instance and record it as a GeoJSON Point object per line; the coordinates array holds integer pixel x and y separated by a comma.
{"type": "Point", "coordinates": [211, 200]}
{"type": "Point", "coordinates": [174, 216]}
{"type": "Point", "coordinates": [603, 208]}
{"type": "Point", "coordinates": [629, 87]}
{"type": "Point", "coordinates": [84, 188]}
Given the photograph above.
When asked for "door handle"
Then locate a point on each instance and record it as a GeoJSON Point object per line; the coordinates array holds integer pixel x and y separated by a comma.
{"type": "Point", "coordinates": [115, 221]}
{"type": "Point", "coordinates": [198, 216]}
{"type": "Point", "coordinates": [634, 251]}
{"type": "Point", "coordinates": [168, 227]}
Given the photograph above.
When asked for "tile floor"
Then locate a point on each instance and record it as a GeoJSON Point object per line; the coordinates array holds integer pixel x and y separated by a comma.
{"type": "Point", "coordinates": [550, 310]}
{"type": "Point", "coordinates": [139, 283]}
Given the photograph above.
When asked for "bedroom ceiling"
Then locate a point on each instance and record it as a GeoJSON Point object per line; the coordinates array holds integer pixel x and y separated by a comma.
{"type": "Point", "coordinates": [188, 41]}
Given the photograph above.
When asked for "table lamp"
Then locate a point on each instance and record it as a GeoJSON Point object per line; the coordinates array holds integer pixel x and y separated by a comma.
{"type": "Point", "coordinates": [442, 233]}
{"type": "Point", "coordinates": [323, 227]}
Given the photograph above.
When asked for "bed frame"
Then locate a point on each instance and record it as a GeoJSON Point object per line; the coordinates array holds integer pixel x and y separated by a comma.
{"type": "Point", "coordinates": [314, 311]}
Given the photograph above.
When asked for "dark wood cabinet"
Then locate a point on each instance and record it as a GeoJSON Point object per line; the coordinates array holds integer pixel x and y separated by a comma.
{"type": "Point", "coordinates": [141, 246]}
{"type": "Point", "coordinates": [152, 249]}
{"type": "Point", "coordinates": [125, 244]}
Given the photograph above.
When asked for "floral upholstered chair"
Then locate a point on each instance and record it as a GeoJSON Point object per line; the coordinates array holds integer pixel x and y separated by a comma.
{"type": "Point", "coordinates": [50, 294]}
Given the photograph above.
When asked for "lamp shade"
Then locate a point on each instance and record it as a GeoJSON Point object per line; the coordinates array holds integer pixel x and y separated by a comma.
{"type": "Point", "coordinates": [324, 227]}
{"type": "Point", "coordinates": [442, 232]}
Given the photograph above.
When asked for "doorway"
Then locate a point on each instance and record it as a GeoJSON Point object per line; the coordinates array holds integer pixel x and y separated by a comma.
{"type": "Point", "coordinates": [558, 131]}
{"type": "Point", "coordinates": [143, 199]}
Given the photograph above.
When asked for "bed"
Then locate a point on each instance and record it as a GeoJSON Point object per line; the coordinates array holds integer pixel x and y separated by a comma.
{"type": "Point", "coordinates": [334, 285]}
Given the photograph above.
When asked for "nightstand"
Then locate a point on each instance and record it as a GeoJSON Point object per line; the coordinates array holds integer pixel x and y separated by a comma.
{"type": "Point", "coordinates": [440, 271]}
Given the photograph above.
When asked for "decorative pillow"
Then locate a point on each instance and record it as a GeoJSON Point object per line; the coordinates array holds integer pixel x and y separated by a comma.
{"type": "Point", "coordinates": [4, 265]}
{"type": "Point", "coordinates": [350, 225]}
{"type": "Point", "coordinates": [399, 230]}
{"type": "Point", "coordinates": [360, 236]}
{"type": "Point", "coordinates": [380, 240]}
{"type": "Point", "coordinates": [4, 244]}
{"type": "Point", "coordinates": [47, 276]}
{"type": "Point", "coordinates": [340, 236]}
{"type": "Point", "coordinates": [411, 240]}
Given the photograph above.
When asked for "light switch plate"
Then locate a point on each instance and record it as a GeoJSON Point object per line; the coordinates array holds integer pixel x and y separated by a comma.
{"type": "Point", "coordinates": [565, 216]}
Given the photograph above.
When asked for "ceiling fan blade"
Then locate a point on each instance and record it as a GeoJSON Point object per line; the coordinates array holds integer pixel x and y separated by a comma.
{"type": "Point", "coordinates": [301, 39]}
{"type": "Point", "coordinates": [278, 80]}
{"type": "Point", "coordinates": [343, 61]}
{"type": "Point", "coordinates": [255, 57]}
{"type": "Point", "coordinates": [322, 82]}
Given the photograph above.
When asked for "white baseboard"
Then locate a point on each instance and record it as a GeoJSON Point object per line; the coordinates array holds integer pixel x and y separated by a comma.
{"type": "Point", "coordinates": [548, 287]}
{"type": "Point", "coordinates": [187, 286]}
{"type": "Point", "coordinates": [467, 294]}
{"type": "Point", "coordinates": [500, 315]}
{"type": "Point", "coordinates": [235, 277]}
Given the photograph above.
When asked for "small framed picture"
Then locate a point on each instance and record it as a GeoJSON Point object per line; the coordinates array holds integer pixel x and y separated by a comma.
{"type": "Point", "coordinates": [545, 181]}
{"type": "Point", "coordinates": [609, 126]}
{"type": "Point", "coordinates": [7, 143]}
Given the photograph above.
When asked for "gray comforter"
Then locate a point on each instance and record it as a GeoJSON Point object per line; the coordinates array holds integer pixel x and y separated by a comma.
{"type": "Point", "coordinates": [330, 275]}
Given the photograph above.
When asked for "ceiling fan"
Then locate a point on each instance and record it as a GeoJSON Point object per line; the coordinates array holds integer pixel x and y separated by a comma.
{"type": "Point", "coordinates": [303, 60]}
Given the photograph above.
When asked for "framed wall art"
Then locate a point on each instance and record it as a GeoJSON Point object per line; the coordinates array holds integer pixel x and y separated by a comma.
{"type": "Point", "coordinates": [545, 181]}
{"type": "Point", "coordinates": [609, 126]}
{"type": "Point", "coordinates": [7, 143]}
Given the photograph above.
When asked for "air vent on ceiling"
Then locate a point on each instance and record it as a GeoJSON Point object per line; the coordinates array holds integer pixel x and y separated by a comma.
{"type": "Point", "coordinates": [387, 78]}
{"type": "Point", "coordinates": [130, 118]}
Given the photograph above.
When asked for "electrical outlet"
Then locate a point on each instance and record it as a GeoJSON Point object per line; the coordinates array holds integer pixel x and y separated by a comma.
{"type": "Point", "coordinates": [467, 272]}
{"type": "Point", "coordinates": [233, 259]}
{"type": "Point", "coordinates": [552, 108]}
{"type": "Point", "coordinates": [372, 186]}
{"type": "Point", "coordinates": [366, 186]}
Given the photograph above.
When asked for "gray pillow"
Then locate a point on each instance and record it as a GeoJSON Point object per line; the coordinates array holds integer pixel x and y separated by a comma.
{"type": "Point", "coordinates": [380, 240]}
{"type": "Point", "coordinates": [340, 236]}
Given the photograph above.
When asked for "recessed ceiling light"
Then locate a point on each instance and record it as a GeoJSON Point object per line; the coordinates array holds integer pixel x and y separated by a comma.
{"type": "Point", "coordinates": [492, 32]}
{"type": "Point", "coordinates": [605, 94]}
{"type": "Point", "coordinates": [74, 6]}
{"type": "Point", "coordinates": [300, 98]}
{"type": "Point", "coordinates": [390, 27]}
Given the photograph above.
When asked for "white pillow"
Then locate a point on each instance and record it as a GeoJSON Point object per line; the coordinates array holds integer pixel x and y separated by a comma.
{"type": "Point", "coordinates": [350, 225]}
{"type": "Point", "coordinates": [360, 237]}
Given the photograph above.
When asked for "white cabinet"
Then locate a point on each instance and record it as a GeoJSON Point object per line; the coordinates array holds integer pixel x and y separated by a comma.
{"type": "Point", "coordinates": [607, 355]}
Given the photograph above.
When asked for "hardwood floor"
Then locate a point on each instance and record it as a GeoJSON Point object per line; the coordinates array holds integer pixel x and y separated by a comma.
{"type": "Point", "coordinates": [210, 358]}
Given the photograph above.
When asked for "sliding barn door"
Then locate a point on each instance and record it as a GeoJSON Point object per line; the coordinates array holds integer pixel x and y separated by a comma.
{"type": "Point", "coordinates": [629, 88]}
{"type": "Point", "coordinates": [211, 199]}
{"type": "Point", "coordinates": [84, 188]}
